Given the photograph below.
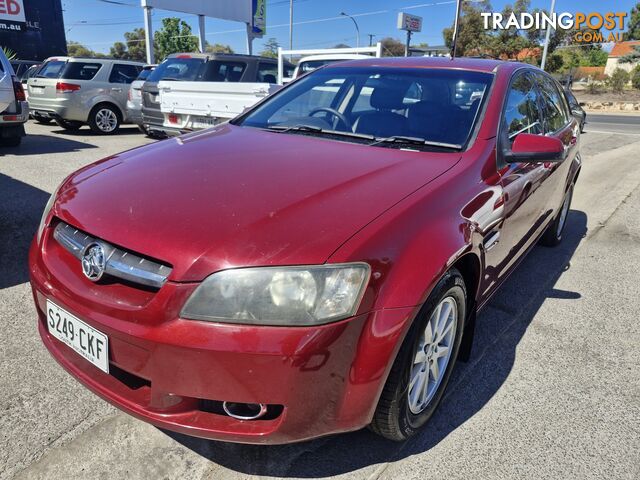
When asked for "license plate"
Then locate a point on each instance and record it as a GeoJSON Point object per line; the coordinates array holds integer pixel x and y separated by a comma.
{"type": "Point", "coordinates": [84, 339]}
{"type": "Point", "coordinates": [203, 122]}
{"type": "Point", "coordinates": [36, 90]}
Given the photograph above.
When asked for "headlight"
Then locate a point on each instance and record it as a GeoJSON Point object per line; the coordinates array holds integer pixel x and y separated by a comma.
{"type": "Point", "coordinates": [45, 214]}
{"type": "Point", "coordinates": [292, 296]}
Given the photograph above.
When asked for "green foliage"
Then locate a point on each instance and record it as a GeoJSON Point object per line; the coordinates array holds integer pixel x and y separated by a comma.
{"type": "Point", "coordinates": [10, 54]}
{"type": "Point", "coordinates": [270, 48]}
{"type": "Point", "coordinates": [473, 39]}
{"type": "Point", "coordinates": [633, 24]}
{"type": "Point", "coordinates": [342, 45]}
{"type": "Point", "coordinates": [174, 36]}
{"type": "Point", "coordinates": [76, 49]}
{"type": "Point", "coordinates": [119, 50]}
{"type": "Point", "coordinates": [633, 56]}
{"type": "Point", "coordinates": [555, 63]}
{"type": "Point", "coordinates": [635, 77]}
{"type": "Point", "coordinates": [594, 57]}
{"type": "Point", "coordinates": [218, 48]}
{"type": "Point", "coordinates": [392, 47]}
{"type": "Point", "coordinates": [618, 80]}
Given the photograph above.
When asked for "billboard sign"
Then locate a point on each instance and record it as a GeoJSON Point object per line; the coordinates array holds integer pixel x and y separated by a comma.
{"type": "Point", "coordinates": [238, 10]}
{"type": "Point", "coordinates": [410, 23]}
{"type": "Point", "coordinates": [259, 18]}
{"type": "Point", "coordinates": [12, 15]}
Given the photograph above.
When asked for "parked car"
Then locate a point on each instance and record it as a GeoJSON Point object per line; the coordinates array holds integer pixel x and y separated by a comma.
{"type": "Point", "coordinates": [315, 265]}
{"type": "Point", "coordinates": [77, 91]}
{"type": "Point", "coordinates": [576, 109]}
{"type": "Point", "coordinates": [134, 99]}
{"type": "Point", "coordinates": [197, 67]}
{"type": "Point", "coordinates": [14, 109]}
{"type": "Point", "coordinates": [20, 67]}
{"type": "Point", "coordinates": [312, 62]}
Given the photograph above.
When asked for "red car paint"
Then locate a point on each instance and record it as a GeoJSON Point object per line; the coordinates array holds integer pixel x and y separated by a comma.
{"type": "Point", "coordinates": [237, 196]}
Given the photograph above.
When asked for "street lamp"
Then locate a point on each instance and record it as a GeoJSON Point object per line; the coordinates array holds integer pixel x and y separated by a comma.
{"type": "Point", "coordinates": [357, 29]}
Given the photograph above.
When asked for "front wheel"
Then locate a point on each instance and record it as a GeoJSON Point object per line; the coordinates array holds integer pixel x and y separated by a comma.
{"type": "Point", "coordinates": [104, 119]}
{"type": "Point", "coordinates": [553, 235]}
{"type": "Point", "coordinates": [422, 369]}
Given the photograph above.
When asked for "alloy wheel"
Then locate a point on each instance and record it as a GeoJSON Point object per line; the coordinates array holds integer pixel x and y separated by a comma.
{"type": "Point", "coordinates": [432, 355]}
{"type": "Point", "coordinates": [106, 120]}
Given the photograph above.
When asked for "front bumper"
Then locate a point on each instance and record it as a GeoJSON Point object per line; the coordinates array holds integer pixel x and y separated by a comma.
{"type": "Point", "coordinates": [320, 380]}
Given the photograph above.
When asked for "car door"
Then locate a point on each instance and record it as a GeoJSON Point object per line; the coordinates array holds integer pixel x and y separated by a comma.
{"type": "Point", "coordinates": [522, 201]}
{"type": "Point", "coordinates": [121, 77]}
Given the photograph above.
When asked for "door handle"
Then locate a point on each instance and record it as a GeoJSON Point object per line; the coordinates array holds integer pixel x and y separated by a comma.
{"type": "Point", "coordinates": [491, 240]}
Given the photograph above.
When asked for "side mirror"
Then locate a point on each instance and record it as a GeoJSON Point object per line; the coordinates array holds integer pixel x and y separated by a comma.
{"type": "Point", "coordinates": [531, 148]}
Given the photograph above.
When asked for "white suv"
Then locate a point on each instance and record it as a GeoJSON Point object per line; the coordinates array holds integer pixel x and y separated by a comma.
{"type": "Point", "coordinates": [14, 109]}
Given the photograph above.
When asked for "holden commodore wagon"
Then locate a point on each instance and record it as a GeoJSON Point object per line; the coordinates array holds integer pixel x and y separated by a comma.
{"type": "Point", "coordinates": [314, 266]}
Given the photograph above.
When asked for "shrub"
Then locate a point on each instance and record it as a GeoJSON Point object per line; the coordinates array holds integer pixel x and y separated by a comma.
{"type": "Point", "coordinates": [618, 80]}
{"type": "Point", "coordinates": [635, 77]}
{"type": "Point", "coordinates": [593, 88]}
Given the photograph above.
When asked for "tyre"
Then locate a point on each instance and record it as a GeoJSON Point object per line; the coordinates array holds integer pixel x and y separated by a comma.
{"type": "Point", "coordinates": [422, 369]}
{"type": "Point", "coordinates": [104, 119]}
{"type": "Point", "coordinates": [69, 124]}
{"type": "Point", "coordinates": [553, 235]}
{"type": "Point", "coordinates": [10, 141]}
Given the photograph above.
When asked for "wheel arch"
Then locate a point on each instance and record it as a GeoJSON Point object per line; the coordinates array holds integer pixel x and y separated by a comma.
{"type": "Point", "coordinates": [109, 102]}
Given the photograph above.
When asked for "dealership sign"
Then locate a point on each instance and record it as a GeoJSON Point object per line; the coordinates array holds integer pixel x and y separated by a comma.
{"type": "Point", "coordinates": [259, 17]}
{"type": "Point", "coordinates": [410, 23]}
{"type": "Point", "coordinates": [12, 15]}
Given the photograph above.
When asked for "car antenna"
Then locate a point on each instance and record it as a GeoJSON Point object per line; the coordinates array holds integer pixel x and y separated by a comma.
{"type": "Point", "coordinates": [455, 30]}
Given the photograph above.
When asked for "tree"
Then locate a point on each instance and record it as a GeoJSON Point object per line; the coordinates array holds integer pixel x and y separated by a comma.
{"type": "Point", "coordinates": [119, 50]}
{"type": "Point", "coordinates": [342, 45]}
{"type": "Point", "coordinates": [392, 47]}
{"type": "Point", "coordinates": [270, 48]}
{"type": "Point", "coordinates": [175, 36]}
{"type": "Point", "coordinates": [618, 79]}
{"type": "Point", "coordinates": [76, 49]}
{"type": "Point", "coordinates": [137, 45]}
{"type": "Point", "coordinates": [218, 48]}
{"type": "Point", "coordinates": [635, 77]}
{"type": "Point", "coordinates": [633, 26]}
{"type": "Point", "coordinates": [473, 39]}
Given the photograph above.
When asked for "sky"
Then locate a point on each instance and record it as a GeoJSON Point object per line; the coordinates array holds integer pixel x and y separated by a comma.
{"type": "Point", "coordinates": [98, 24]}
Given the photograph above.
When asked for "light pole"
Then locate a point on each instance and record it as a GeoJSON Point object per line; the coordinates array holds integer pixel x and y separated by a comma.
{"type": "Point", "coordinates": [290, 25]}
{"type": "Point", "coordinates": [546, 39]}
{"type": "Point", "coordinates": [357, 29]}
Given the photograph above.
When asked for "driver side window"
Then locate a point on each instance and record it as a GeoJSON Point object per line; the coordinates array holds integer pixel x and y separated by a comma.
{"type": "Point", "coordinates": [522, 111]}
{"type": "Point", "coordinates": [321, 95]}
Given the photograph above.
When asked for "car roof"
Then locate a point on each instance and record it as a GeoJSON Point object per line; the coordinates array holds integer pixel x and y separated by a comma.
{"type": "Point", "coordinates": [334, 56]}
{"type": "Point", "coordinates": [94, 59]}
{"type": "Point", "coordinates": [225, 56]}
{"type": "Point", "coordinates": [462, 63]}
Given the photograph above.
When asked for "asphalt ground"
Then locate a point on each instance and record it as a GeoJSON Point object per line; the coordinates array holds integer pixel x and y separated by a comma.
{"type": "Point", "coordinates": [552, 389]}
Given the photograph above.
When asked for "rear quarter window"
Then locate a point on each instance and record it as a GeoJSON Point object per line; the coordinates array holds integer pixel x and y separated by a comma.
{"type": "Point", "coordinates": [52, 69]}
{"type": "Point", "coordinates": [81, 70]}
{"type": "Point", "coordinates": [223, 71]}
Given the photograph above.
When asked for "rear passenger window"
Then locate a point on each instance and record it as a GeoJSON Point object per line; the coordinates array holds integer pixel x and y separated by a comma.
{"type": "Point", "coordinates": [80, 71]}
{"type": "Point", "coordinates": [267, 72]}
{"type": "Point", "coordinates": [222, 71]}
{"type": "Point", "coordinates": [522, 112]}
{"type": "Point", "coordinates": [122, 73]}
{"type": "Point", "coordinates": [554, 109]}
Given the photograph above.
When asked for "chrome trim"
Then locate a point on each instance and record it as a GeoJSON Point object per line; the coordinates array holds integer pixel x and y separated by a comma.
{"type": "Point", "coordinates": [120, 263]}
{"type": "Point", "coordinates": [491, 241]}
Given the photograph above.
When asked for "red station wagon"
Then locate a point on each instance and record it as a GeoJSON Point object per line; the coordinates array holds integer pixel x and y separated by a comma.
{"type": "Point", "coordinates": [315, 265]}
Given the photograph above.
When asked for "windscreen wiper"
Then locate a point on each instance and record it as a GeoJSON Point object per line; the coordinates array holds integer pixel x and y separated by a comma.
{"type": "Point", "coordinates": [415, 141]}
{"type": "Point", "coordinates": [324, 131]}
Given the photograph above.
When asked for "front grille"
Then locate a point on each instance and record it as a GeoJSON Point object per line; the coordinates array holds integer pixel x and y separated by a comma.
{"type": "Point", "coordinates": [119, 263]}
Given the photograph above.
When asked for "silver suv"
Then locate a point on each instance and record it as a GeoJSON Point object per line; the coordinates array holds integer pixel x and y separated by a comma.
{"type": "Point", "coordinates": [75, 91]}
{"type": "Point", "coordinates": [14, 110]}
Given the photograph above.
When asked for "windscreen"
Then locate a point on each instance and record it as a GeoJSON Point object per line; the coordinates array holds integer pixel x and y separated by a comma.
{"type": "Point", "coordinates": [435, 105]}
{"type": "Point", "coordinates": [179, 69]}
